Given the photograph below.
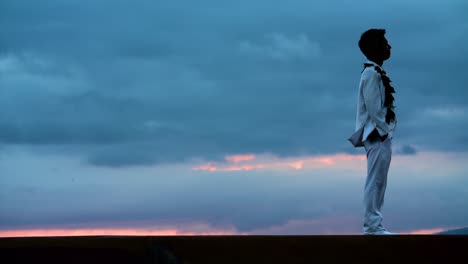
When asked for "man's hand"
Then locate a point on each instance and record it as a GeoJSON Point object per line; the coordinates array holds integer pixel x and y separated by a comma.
{"type": "Point", "coordinates": [375, 135]}
{"type": "Point", "coordinates": [383, 138]}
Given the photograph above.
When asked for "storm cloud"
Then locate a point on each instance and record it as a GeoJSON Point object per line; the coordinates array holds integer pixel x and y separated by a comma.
{"type": "Point", "coordinates": [214, 78]}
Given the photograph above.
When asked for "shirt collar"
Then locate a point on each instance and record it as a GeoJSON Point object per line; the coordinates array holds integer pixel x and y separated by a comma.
{"type": "Point", "coordinates": [375, 64]}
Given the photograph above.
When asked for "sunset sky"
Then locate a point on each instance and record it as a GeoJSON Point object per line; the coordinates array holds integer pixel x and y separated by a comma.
{"type": "Point", "coordinates": [224, 117]}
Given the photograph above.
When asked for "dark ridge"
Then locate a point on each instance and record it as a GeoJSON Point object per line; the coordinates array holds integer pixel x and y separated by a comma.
{"type": "Point", "coordinates": [235, 249]}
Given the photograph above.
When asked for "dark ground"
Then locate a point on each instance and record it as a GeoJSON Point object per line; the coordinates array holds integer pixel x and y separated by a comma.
{"type": "Point", "coordinates": [236, 249]}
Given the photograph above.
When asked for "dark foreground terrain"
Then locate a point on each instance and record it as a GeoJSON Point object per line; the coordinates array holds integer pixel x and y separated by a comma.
{"type": "Point", "coordinates": [236, 249]}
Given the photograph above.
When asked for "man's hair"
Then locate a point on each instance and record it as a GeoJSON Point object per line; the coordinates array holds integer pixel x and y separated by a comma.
{"type": "Point", "coordinates": [370, 41]}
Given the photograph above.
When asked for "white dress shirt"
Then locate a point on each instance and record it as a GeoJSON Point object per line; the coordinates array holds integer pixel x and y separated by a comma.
{"type": "Point", "coordinates": [371, 110]}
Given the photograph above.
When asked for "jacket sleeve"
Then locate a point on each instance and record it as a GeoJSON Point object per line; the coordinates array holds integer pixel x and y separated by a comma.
{"type": "Point", "coordinates": [373, 100]}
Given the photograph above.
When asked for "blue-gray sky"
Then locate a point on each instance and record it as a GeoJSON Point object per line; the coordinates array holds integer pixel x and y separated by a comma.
{"type": "Point", "coordinates": [112, 104]}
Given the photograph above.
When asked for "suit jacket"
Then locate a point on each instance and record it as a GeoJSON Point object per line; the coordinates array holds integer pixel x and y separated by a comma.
{"type": "Point", "coordinates": [370, 107]}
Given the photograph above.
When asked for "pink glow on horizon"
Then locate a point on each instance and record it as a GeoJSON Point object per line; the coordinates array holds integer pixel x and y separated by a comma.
{"type": "Point", "coordinates": [323, 226]}
{"type": "Point", "coordinates": [105, 232]}
{"type": "Point", "coordinates": [427, 231]}
{"type": "Point", "coordinates": [311, 162]}
{"type": "Point", "coordinates": [297, 165]}
{"type": "Point", "coordinates": [328, 161]}
{"type": "Point", "coordinates": [206, 167]}
{"type": "Point", "coordinates": [239, 158]}
{"type": "Point", "coordinates": [245, 167]}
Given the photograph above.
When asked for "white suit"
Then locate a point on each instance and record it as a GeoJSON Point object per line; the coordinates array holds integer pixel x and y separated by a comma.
{"type": "Point", "coordinates": [371, 111]}
{"type": "Point", "coordinates": [371, 115]}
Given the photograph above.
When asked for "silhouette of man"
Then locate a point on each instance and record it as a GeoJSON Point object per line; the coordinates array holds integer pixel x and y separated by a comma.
{"type": "Point", "coordinates": [375, 124]}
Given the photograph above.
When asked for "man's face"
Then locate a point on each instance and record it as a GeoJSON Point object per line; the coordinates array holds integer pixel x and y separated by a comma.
{"type": "Point", "coordinates": [386, 50]}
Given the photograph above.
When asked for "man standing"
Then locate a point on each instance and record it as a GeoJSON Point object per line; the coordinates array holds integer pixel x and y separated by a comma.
{"type": "Point", "coordinates": [375, 124]}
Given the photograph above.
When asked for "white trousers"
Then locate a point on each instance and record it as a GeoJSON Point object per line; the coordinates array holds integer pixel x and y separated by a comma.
{"type": "Point", "coordinates": [379, 155]}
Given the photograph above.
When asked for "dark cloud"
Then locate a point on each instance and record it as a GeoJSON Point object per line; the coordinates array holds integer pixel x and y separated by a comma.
{"type": "Point", "coordinates": [213, 78]}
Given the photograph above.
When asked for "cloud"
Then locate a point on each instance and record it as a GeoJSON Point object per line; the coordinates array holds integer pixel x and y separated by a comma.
{"type": "Point", "coordinates": [56, 191]}
{"type": "Point", "coordinates": [447, 112]}
{"type": "Point", "coordinates": [271, 163]}
{"type": "Point", "coordinates": [406, 150]}
{"type": "Point", "coordinates": [280, 47]}
{"type": "Point", "coordinates": [155, 88]}
{"type": "Point", "coordinates": [240, 158]}
{"type": "Point", "coordinates": [106, 108]}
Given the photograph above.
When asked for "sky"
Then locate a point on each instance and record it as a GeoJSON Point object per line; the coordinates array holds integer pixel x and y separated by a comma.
{"type": "Point", "coordinates": [224, 117]}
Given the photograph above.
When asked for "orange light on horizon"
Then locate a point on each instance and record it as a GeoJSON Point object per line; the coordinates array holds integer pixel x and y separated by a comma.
{"type": "Point", "coordinates": [239, 158]}
{"type": "Point", "coordinates": [104, 232]}
{"type": "Point", "coordinates": [175, 232]}
{"type": "Point", "coordinates": [297, 165]}
{"type": "Point", "coordinates": [327, 161]}
{"type": "Point", "coordinates": [212, 168]}
{"type": "Point", "coordinates": [206, 167]}
{"type": "Point", "coordinates": [427, 231]}
{"type": "Point", "coordinates": [245, 167]}
{"type": "Point", "coordinates": [310, 162]}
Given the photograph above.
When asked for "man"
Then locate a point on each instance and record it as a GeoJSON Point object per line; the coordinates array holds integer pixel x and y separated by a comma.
{"type": "Point", "coordinates": [375, 124]}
